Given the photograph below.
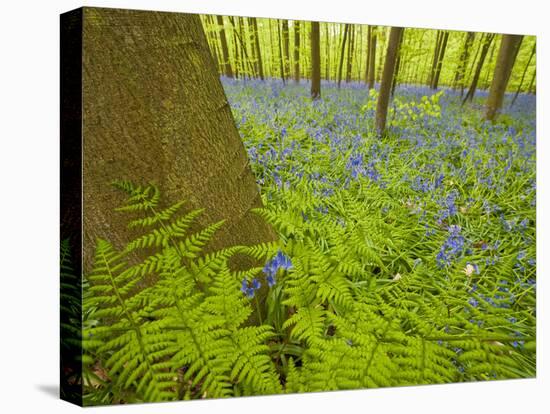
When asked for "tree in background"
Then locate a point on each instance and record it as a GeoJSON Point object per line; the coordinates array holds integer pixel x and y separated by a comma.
{"type": "Point", "coordinates": [297, 51]}
{"type": "Point", "coordinates": [342, 53]}
{"type": "Point", "coordinates": [315, 61]}
{"type": "Point", "coordinates": [463, 61]}
{"type": "Point", "coordinates": [524, 73]}
{"type": "Point", "coordinates": [260, 65]}
{"type": "Point", "coordinates": [225, 52]}
{"type": "Point", "coordinates": [387, 79]}
{"type": "Point", "coordinates": [371, 57]}
{"type": "Point", "coordinates": [439, 54]}
{"type": "Point", "coordinates": [509, 47]}
{"type": "Point", "coordinates": [486, 42]}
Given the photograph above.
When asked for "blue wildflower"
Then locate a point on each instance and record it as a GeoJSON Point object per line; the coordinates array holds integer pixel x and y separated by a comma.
{"type": "Point", "coordinates": [270, 280]}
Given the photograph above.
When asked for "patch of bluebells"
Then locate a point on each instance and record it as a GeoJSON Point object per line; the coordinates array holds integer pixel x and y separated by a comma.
{"type": "Point", "coordinates": [452, 248]}
{"type": "Point", "coordinates": [279, 261]}
{"type": "Point", "coordinates": [249, 289]}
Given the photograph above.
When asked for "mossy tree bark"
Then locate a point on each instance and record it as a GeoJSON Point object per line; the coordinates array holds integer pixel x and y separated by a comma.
{"type": "Point", "coordinates": [155, 111]}
{"type": "Point", "coordinates": [315, 61]}
{"type": "Point", "coordinates": [387, 79]}
{"type": "Point", "coordinates": [509, 47]}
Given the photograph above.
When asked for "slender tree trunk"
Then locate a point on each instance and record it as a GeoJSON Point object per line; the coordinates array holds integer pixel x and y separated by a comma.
{"type": "Point", "coordinates": [436, 55]}
{"type": "Point", "coordinates": [372, 59]}
{"type": "Point", "coordinates": [172, 127]}
{"type": "Point", "coordinates": [461, 69]}
{"type": "Point", "coordinates": [532, 87]}
{"type": "Point", "coordinates": [380, 65]}
{"type": "Point", "coordinates": [485, 83]}
{"type": "Point", "coordinates": [350, 53]}
{"type": "Point", "coordinates": [281, 56]}
{"type": "Point", "coordinates": [523, 74]}
{"type": "Point", "coordinates": [260, 65]}
{"type": "Point", "coordinates": [297, 51]}
{"type": "Point", "coordinates": [315, 61]}
{"type": "Point", "coordinates": [359, 53]}
{"type": "Point", "coordinates": [484, 49]}
{"type": "Point", "coordinates": [286, 48]}
{"type": "Point", "coordinates": [444, 39]}
{"type": "Point", "coordinates": [398, 63]}
{"type": "Point", "coordinates": [327, 53]}
{"type": "Point", "coordinates": [342, 53]}
{"type": "Point", "coordinates": [509, 47]}
{"type": "Point", "coordinates": [367, 62]}
{"type": "Point", "coordinates": [387, 79]}
{"type": "Point", "coordinates": [225, 52]}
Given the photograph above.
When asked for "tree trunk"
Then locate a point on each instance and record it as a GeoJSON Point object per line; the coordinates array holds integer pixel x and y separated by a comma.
{"type": "Point", "coordinates": [380, 66]}
{"type": "Point", "coordinates": [523, 74]}
{"type": "Point", "coordinates": [286, 47]}
{"type": "Point", "coordinates": [342, 52]}
{"type": "Point", "coordinates": [350, 53]}
{"type": "Point", "coordinates": [327, 53]}
{"type": "Point", "coordinates": [484, 49]}
{"type": "Point", "coordinates": [397, 64]}
{"type": "Point", "coordinates": [155, 112]}
{"type": "Point", "coordinates": [281, 56]}
{"type": "Point", "coordinates": [225, 52]}
{"type": "Point", "coordinates": [444, 39]}
{"type": "Point", "coordinates": [485, 83]}
{"type": "Point", "coordinates": [461, 69]}
{"type": "Point", "coordinates": [257, 46]}
{"type": "Point", "coordinates": [434, 60]}
{"type": "Point", "coordinates": [372, 59]}
{"type": "Point", "coordinates": [297, 51]}
{"type": "Point", "coordinates": [509, 47]}
{"type": "Point", "coordinates": [315, 61]}
{"type": "Point", "coordinates": [532, 86]}
{"type": "Point", "coordinates": [369, 43]}
{"type": "Point", "coordinates": [387, 79]}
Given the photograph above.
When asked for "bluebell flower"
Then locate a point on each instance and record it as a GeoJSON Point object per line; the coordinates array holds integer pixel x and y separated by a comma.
{"type": "Point", "coordinates": [244, 286]}
{"type": "Point", "coordinates": [270, 280]}
{"type": "Point", "coordinates": [249, 291]}
{"type": "Point", "coordinates": [279, 261]}
{"type": "Point", "coordinates": [256, 284]}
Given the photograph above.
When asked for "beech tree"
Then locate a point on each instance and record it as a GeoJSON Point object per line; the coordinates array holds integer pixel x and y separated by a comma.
{"type": "Point", "coordinates": [461, 68]}
{"type": "Point", "coordinates": [387, 79]}
{"type": "Point", "coordinates": [524, 73]}
{"type": "Point", "coordinates": [297, 51]}
{"type": "Point", "coordinates": [509, 47]}
{"type": "Point", "coordinates": [486, 42]}
{"type": "Point", "coordinates": [315, 61]}
{"type": "Point", "coordinates": [342, 54]}
{"type": "Point", "coordinates": [225, 51]}
{"type": "Point", "coordinates": [371, 58]}
{"type": "Point", "coordinates": [175, 129]}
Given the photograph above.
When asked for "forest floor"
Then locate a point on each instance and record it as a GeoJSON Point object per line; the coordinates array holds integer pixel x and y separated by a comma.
{"type": "Point", "coordinates": [444, 195]}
